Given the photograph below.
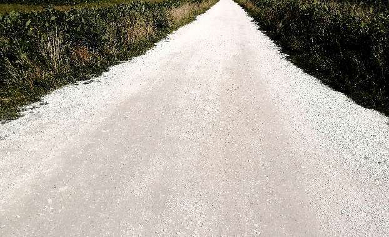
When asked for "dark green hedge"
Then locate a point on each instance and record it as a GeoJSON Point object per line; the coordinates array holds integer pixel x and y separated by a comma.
{"type": "Point", "coordinates": [41, 51]}
{"type": "Point", "coordinates": [345, 45]}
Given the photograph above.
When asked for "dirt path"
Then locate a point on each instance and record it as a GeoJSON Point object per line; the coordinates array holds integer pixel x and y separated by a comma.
{"type": "Point", "coordinates": [212, 132]}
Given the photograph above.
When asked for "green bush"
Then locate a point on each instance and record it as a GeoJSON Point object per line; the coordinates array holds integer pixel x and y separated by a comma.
{"type": "Point", "coordinates": [343, 43]}
{"type": "Point", "coordinates": [41, 51]}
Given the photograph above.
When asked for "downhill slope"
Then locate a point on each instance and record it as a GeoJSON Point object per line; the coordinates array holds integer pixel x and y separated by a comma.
{"type": "Point", "coordinates": [212, 132]}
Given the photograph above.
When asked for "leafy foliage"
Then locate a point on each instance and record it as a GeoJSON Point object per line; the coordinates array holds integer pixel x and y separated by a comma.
{"type": "Point", "coordinates": [344, 43]}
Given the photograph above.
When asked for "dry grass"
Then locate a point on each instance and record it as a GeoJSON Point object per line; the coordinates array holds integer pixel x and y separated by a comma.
{"type": "Point", "coordinates": [177, 14]}
{"type": "Point", "coordinates": [139, 30]}
{"type": "Point", "coordinates": [81, 53]}
{"type": "Point", "coordinates": [53, 48]}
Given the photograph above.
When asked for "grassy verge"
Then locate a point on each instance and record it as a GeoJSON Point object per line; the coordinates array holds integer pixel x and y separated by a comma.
{"type": "Point", "coordinates": [42, 51]}
{"type": "Point", "coordinates": [343, 43]}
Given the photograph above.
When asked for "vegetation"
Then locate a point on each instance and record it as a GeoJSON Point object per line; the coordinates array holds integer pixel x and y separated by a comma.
{"type": "Point", "coordinates": [41, 51]}
{"type": "Point", "coordinates": [54, 2]}
{"type": "Point", "coordinates": [7, 6]}
{"type": "Point", "coordinates": [343, 43]}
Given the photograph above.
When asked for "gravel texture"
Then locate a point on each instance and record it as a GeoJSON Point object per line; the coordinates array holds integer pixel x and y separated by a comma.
{"type": "Point", "coordinates": [212, 132]}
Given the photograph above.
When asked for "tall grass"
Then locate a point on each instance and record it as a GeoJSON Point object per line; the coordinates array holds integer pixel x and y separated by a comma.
{"type": "Point", "coordinates": [41, 51]}
{"type": "Point", "coordinates": [343, 43]}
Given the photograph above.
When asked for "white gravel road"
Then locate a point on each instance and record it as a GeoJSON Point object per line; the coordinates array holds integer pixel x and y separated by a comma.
{"type": "Point", "coordinates": [212, 132]}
